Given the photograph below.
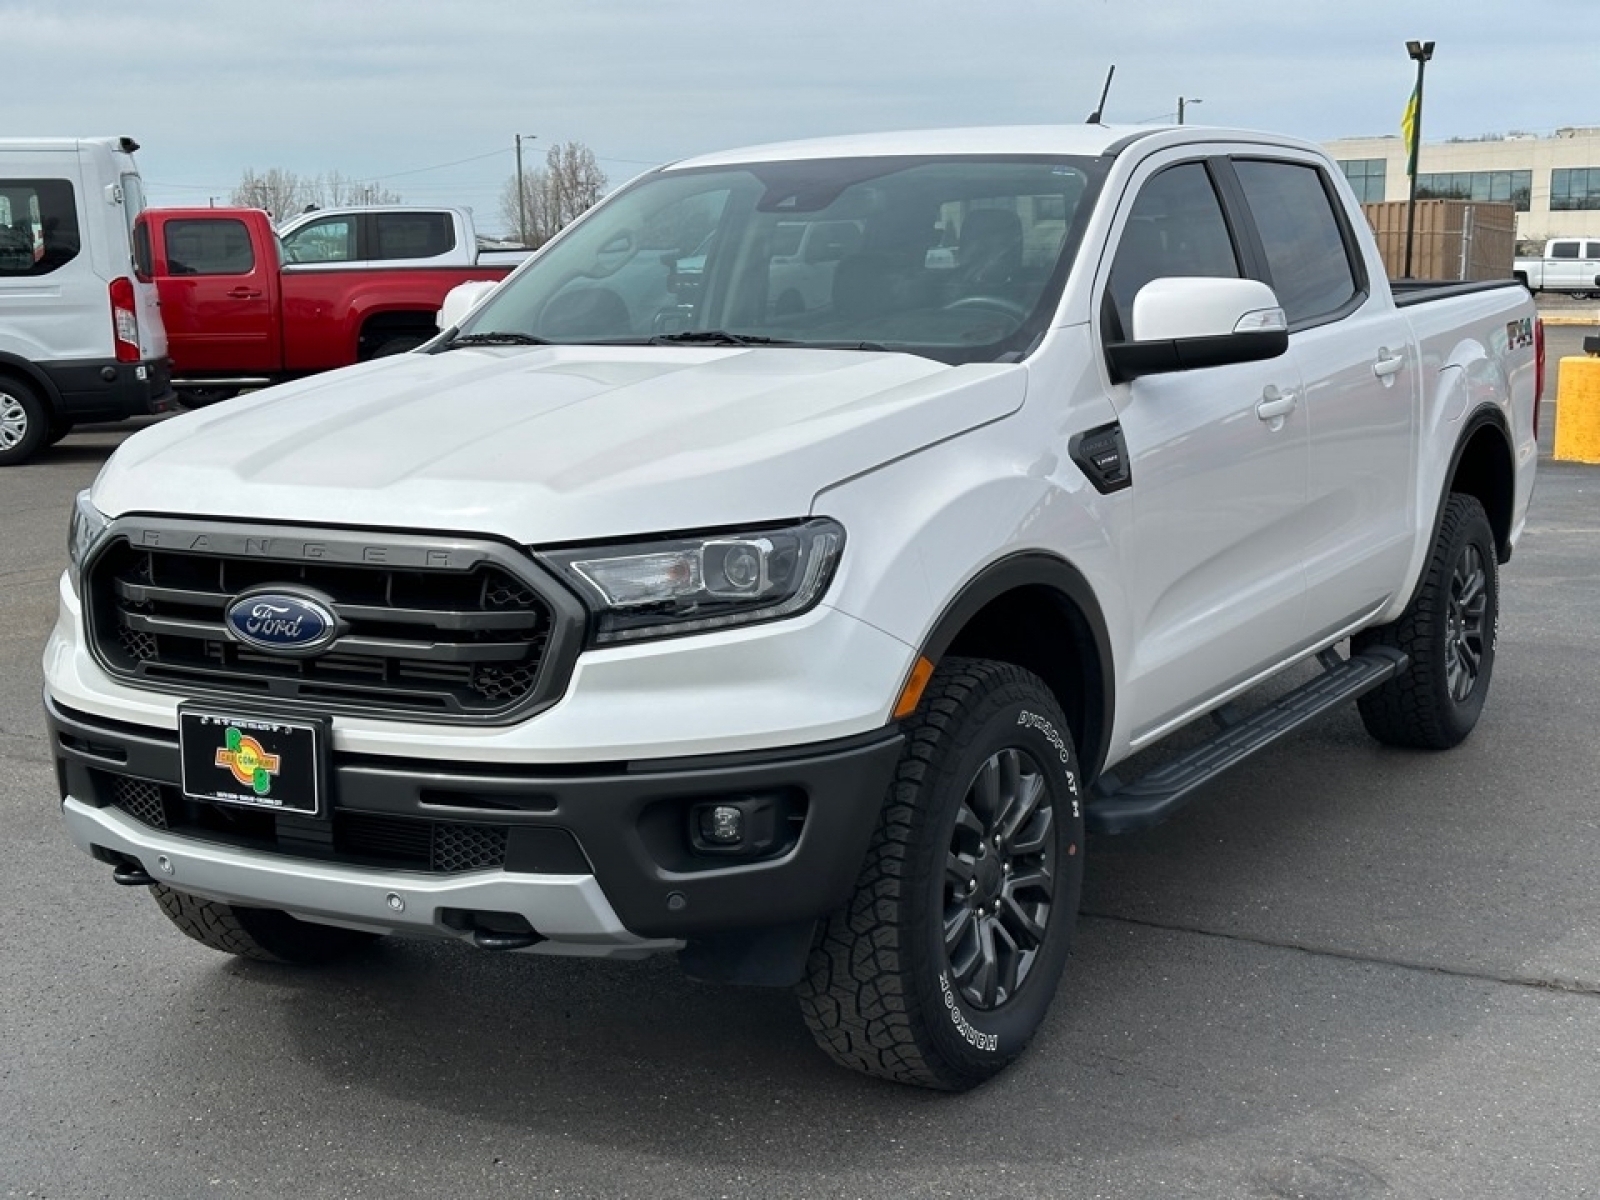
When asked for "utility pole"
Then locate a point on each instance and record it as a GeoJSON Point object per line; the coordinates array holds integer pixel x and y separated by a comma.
{"type": "Point", "coordinates": [1420, 52]}
{"type": "Point", "coordinates": [1181, 102]}
{"type": "Point", "coordinates": [522, 198]}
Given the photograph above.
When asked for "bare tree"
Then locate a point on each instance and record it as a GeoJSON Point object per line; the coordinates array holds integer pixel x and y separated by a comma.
{"type": "Point", "coordinates": [278, 191]}
{"type": "Point", "coordinates": [340, 189]}
{"type": "Point", "coordinates": [554, 195]}
{"type": "Point", "coordinates": [283, 193]}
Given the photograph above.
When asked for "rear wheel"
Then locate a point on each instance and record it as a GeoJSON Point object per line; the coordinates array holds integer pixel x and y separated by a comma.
{"type": "Point", "coordinates": [1448, 632]}
{"type": "Point", "coordinates": [24, 422]}
{"type": "Point", "coordinates": [942, 965]}
{"type": "Point", "coordinates": [262, 934]}
{"type": "Point", "coordinates": [59, 428]}
{"type": "Point", "coordinates": [399, 344]}
{"type": "Point", "coordinates": [199, 397]}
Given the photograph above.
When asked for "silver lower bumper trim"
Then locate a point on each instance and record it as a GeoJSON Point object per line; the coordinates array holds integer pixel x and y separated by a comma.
{"type": "Point", "coordinates": [569, 910]}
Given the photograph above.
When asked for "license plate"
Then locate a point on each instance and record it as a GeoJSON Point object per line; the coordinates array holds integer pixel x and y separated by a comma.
{"type": "Point", "coordinates": [257, 761]}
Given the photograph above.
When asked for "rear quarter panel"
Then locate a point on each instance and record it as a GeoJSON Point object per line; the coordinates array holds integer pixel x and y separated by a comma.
{"type": "Point", "coordinates": [323, 310]}
{"type": "Point", "coordinates": [1477, 355]}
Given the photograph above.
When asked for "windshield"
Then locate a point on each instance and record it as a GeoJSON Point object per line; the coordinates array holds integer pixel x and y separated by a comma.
{"type": "Point", "coordinates": [958, 258]}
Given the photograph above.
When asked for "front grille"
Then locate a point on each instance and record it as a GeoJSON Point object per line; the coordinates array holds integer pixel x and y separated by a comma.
{"type": "Point", "coordinates": [141, 800]}
{"type": "Point", "coordinates": [359, 838]}
{"type": "Point", "coordinates": [459, 633]}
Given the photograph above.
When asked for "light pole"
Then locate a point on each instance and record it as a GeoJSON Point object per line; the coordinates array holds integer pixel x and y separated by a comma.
{"type": "Point", "coordinates": [1183, 101]}
{"type": "Point", "coordinates": [522, 194]}
{"type": "Point", "coordinates": [1420, 53]}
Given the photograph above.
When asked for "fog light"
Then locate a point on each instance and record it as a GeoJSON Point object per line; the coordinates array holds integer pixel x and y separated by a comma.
{"type": "Point", "coordinates": [744, 826]}
{"type": "Point", "coordinates": [722, 825]}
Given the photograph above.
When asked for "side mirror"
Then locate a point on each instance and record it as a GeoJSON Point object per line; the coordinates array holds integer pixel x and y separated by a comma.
{"type": "Point", "coordinates": [462, 299]}
{"type": "Point", "coordinates": [1180, 324]}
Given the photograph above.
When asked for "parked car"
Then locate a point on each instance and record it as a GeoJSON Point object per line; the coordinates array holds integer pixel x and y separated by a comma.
{"type": "Point", "coordinates": [81, 337]}
{"type": "Point", "coordinates": [390, 234]}
{"type": "Point", "coordinates": [808, 645]}
{"type": "Point", "coordinates": [1570, 265]}
{"type": "Point", "coordinates": [245, 309]}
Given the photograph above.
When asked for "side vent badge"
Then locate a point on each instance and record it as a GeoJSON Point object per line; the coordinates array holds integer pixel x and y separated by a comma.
{"type": "Point", "coordinates": [1102, 456]}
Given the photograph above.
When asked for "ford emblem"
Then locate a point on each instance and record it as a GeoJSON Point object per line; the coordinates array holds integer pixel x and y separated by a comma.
{"type": "Point", "coordinates": [282, 621]}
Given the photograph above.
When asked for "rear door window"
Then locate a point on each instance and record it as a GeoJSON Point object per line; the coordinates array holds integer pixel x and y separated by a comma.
{"type": "Point", "coordinates": [1563, 249]}
{"type": "Point", "coordinates": [1307, 254]}
{"type": "Point", "coordinates": [38, 226]}
{"type": "Point", "coordinates": [413, 235]}
{"type": "Point", "coordinates": [209, 247]}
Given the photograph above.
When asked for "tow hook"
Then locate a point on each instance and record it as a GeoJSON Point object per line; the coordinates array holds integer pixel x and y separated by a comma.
{"type": "Point", "coordinates": [490, 939]}
{"type": "Point", "coordinates": [131, 875]}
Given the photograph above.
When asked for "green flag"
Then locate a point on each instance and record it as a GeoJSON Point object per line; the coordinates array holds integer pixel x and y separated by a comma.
{"type": "Point", "coordinates": [1408, 127]}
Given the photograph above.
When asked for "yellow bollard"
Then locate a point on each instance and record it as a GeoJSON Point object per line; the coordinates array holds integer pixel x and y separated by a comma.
{"type": "Point", "coordinates": [1578, 410]}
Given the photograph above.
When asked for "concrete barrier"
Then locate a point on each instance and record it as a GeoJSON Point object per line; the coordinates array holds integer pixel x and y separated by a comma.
{"type": "Point", "coordinates": [1578, 410]}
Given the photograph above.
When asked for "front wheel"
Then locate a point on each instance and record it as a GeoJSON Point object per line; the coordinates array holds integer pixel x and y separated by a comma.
{"type": "Point", "coordinates": [263, 934]}
{"type": "Point", "coordinates": [941, 967]}
{"type": "Point", "coordinates": [1448, 631]}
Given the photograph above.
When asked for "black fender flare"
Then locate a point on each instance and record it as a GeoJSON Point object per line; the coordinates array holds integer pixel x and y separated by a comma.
{"type": "Point", "coordinates": [12, 364]}
{"type": "Point", "coordinates": [1038, 569]}
{"type": "Point", "coordinates": [1483, 415]}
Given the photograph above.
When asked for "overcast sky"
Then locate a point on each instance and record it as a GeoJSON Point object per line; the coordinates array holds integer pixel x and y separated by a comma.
{"type": "Point", "coordinates": [425, 96]}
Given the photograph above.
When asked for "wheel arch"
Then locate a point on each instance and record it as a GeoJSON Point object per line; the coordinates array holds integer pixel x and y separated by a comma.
{"type": "Point", "coordinates": [380, 324]}
{"type": "Point", "coordinates": [31, 375]}
{"type": "Point", "coordinates": [1039, 612]}
{"type": "Point", "coordinates": [1482, 466]}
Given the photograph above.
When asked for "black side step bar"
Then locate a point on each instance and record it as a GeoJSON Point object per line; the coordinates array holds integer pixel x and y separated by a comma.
{"type": "Point", "coordinates": [1117, 807]}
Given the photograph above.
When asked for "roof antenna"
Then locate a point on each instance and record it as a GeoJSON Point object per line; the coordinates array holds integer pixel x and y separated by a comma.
{"type": "Point", "coordinates": [1094, 117]}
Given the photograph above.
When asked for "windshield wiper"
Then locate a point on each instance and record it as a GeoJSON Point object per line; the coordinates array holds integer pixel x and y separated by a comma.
{"type": "Point", "coordinates": [721, 337]}
{"type": "Point", "coordinates": [504, 337]}
{"type": "Point", "coordinates": [717, 337]}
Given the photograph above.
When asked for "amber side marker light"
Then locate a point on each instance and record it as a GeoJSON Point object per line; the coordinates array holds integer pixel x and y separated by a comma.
{"type": "Point", "coordinates": [911, 694]}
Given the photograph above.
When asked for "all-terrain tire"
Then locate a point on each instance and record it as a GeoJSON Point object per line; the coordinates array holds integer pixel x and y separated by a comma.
{"type": "Point", "coordinates": [191, 398]}
{"type": "Point", "coordinates": [262, 934]}
{"type": "Point", "coordinates": [24, 422]}
{"type": "Point", "coordinates": [890, 987]}
{"type": "Point", "coordinates": [1448, 631]}
{"type": "Point", "coordinates": [399, 344]}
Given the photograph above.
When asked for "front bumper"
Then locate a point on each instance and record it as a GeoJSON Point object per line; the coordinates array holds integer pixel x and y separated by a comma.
{"type": "Point", "coordinates": [592, 855]}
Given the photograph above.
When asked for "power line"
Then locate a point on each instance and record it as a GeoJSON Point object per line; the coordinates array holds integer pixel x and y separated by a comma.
{"type": "Point", "coordinates": [436, 167]}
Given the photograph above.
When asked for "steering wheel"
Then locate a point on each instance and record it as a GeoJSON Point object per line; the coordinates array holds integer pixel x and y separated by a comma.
{"type": "Point", "coordinates": [991, 303]}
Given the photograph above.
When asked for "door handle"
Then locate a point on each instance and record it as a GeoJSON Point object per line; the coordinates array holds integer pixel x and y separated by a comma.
{"type": "Point", "coordinates": [244, 293]}
{"type": "Point", "coordinates": [1276, 405]}
{"type": "Point", "coordinates": [1388, 364]}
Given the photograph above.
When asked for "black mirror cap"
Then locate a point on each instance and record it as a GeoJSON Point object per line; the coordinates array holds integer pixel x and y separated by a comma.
{"type": "Point", "coordinates": [1130, 360]}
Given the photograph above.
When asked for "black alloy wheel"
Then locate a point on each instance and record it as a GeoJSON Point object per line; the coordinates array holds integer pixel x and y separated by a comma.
{"type": "Point", "coordinates": [999, 879]}
{"type": "Point", "coordinates": [1466, 623]}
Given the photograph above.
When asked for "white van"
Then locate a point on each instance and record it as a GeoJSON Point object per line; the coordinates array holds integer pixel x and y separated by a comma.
{"type": "Point", "coordinates": [80, 334]}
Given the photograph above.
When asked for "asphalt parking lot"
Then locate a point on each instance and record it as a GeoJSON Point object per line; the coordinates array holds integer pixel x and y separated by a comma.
{"type": "Point", "coordinates": [1346, 971]}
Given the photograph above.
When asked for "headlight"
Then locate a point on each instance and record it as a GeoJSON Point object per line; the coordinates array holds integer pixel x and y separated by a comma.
{"type": "Point", "coordinates": [690, 585]}
{"type": "Point", "coordinates": [87, 524]}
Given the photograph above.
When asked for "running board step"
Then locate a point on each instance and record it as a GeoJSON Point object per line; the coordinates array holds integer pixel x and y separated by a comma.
{"type": "Point", "coordinates": [1117, 807]}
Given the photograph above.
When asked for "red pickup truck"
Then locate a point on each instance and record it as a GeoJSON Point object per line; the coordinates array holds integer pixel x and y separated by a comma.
{"type": "Point", "coordinates": [241, 312]}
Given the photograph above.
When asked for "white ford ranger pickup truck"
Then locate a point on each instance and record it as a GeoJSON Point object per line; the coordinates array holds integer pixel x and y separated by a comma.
{"type": "Point", "coordinates": [638, 613]}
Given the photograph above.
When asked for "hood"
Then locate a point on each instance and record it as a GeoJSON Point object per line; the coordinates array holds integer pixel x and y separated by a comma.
{"type": "Point", "coordinates": [554, 444]}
